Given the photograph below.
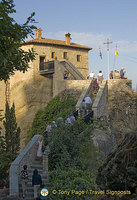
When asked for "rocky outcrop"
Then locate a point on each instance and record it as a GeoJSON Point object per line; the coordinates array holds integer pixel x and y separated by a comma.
{"type": "Point", "coordinates": [121, 107]}
{"type": "Point", "coordinates": [119, 171]}
{"type": "Point", "coordinates": [103, 141]}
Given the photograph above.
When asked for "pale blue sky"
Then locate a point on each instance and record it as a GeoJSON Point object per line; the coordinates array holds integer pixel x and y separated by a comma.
{"type": "Point", "coordinates": [90, 22]}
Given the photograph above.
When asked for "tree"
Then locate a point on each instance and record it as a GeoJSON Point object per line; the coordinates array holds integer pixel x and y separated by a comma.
{"type": "Point", "coordinates": [5, 159]}
{"type": "Point", "coordinates": [12, 132]}
{"type": "Point", "coordinates": [12, 57]}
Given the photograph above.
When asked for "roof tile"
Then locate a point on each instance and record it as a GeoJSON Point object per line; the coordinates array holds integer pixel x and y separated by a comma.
{"type": "Point", "coordinates": [55, 42]}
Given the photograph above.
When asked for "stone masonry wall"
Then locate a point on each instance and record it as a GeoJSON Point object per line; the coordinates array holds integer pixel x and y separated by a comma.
{"type": "Point", "coordinates": [30, 91]}
{"type": "Point", "coordinates": [47, 50]}
{"type": "Point", "coordinates": [99, 105]}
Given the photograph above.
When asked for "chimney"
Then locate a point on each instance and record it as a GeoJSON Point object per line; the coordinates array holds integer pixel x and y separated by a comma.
{"type": "Point", "coordinates": [38, 33]}
{"type": "Point", "coordinates": [67, 35]}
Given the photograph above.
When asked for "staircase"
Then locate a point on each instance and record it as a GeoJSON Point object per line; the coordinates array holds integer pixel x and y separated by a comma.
{"type": "Point", "coordinates": [72, 70]}
{"type": "Point", "coordinates": [30, 192]}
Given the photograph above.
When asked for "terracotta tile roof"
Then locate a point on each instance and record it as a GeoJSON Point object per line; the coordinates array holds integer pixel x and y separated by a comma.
{"type": "Point", "coordinates": [55, 42]}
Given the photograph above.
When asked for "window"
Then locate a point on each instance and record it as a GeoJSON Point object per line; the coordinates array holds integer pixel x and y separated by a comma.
{"type": "Point", "coordinates": [53, 55]}
{"type": "Point", "coordinates": [65, 55]}
{"type": "Point", "coordinates": [78, 58]}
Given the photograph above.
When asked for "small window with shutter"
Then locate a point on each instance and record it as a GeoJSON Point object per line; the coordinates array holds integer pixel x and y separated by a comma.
{"type": "Point", "coordinates": [78, 58]}
{"type": "Point", "coordinates": [65, 55]}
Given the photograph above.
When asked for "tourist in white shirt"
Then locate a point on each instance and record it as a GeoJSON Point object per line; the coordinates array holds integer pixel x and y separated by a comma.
{"type": "Point", "coordinates": [91, 75]}
{"type": "Point", "coordinates": [100, 77]}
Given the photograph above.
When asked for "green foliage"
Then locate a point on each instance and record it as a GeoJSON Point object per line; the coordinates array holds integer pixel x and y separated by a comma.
{"type": "Point", "coordinates": [10, 143]}
{"type": "Point", "coordinates": [70, 180]}
{"type": "Point", "coordinates": [12, 57]}
{"type": "Point", "coordinates": [12, 132]}
{"type": "Point", "coordinates": [5, 159]}
{"type": "Point", "coordinates": [69, 146]}
{"type": "Point", "coordinates": [69, 161]}
{"type": "Point", "coordinates": [57, 107]}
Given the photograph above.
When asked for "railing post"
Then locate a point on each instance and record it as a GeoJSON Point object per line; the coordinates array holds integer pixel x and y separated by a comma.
{"type": "Point", "coordinates": [45, 162]}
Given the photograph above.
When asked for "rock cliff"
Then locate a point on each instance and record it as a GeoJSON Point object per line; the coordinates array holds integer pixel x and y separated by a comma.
{"type": "Point", "coordinates": [119, 171]}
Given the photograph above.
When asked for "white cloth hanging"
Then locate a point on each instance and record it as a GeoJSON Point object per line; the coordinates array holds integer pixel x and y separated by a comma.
{"type": "Point", "coordinates": [39, 152]}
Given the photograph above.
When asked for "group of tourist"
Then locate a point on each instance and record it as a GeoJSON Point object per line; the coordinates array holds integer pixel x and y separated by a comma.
{"type": "Point", "coordinates": [113, 75]}
{"type": "Point", "coordinates": [117, 75]}
{"type": "Point", "coordinates": [99, 79]}
{"type": "Point", "coordinates": [69, 120]}
{"type": "Point", "coordinates": [36, 182]}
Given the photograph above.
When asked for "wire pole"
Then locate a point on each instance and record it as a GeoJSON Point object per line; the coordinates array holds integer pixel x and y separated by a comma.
{"type": "Point", "coordinates": [108, 53]}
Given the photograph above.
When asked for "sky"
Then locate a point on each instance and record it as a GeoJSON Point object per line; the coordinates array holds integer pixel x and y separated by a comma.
{"type": "Point", "coordinates": [90, 23]}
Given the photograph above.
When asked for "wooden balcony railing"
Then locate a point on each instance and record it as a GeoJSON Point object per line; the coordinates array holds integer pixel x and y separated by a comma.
{"type": "Point", "coordinates": [46, 67]}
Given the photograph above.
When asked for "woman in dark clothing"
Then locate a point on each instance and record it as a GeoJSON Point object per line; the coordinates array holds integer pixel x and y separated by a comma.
{"type": "Point", "coordinates": [36, 182]}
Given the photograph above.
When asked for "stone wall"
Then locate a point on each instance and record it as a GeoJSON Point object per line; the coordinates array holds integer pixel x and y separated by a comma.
{"type": "Point", "coordinates": [115, 83]}
{"type": "Point", "coordinates": [100, 102]}
{"type": "Point", "coordinates": [26, 157]}
{"type": "Point", "coordinates": [79, 85]}
{"type": "Point", "coordinates": [46, 51]}
{"type": "Point", "coordinates": [87, 91]}
{"type": "Point", "coordinates": [58, 78]}
{"type": "Point", "coordinates": [30, 91]}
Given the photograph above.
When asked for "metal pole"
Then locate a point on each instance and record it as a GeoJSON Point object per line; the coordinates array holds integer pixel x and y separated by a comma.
{"type": "Point", "coordinates": [108, 53]}
{"type": "Point", "coordinates": [108, 62]}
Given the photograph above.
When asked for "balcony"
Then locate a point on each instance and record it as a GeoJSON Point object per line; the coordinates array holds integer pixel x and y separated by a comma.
{"type": "Point", "coordinates": [46, 68]}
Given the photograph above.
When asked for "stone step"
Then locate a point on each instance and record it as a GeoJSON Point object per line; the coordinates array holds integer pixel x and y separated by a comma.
{"type": "Point", "coordinates": [30, 191]}
{"type": "Point", "coordinates": [39, 171]}
{"type": "Point", "coordinates": [36, 166]}
{"type": "Point", "coordinates": [31, 198]}
{"type": "Point", "coordinates": [30, 177]}
{"type": "Point", "coordinates": [29, 184]}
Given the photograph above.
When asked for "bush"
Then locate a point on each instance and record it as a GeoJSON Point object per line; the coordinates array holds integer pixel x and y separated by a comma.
{"type": "Point", "coordinates": [69, 146]}
{"type": "Point", "coordinates": [57, 107]}
{"type": "Point", "coordinates": [71, 180]}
